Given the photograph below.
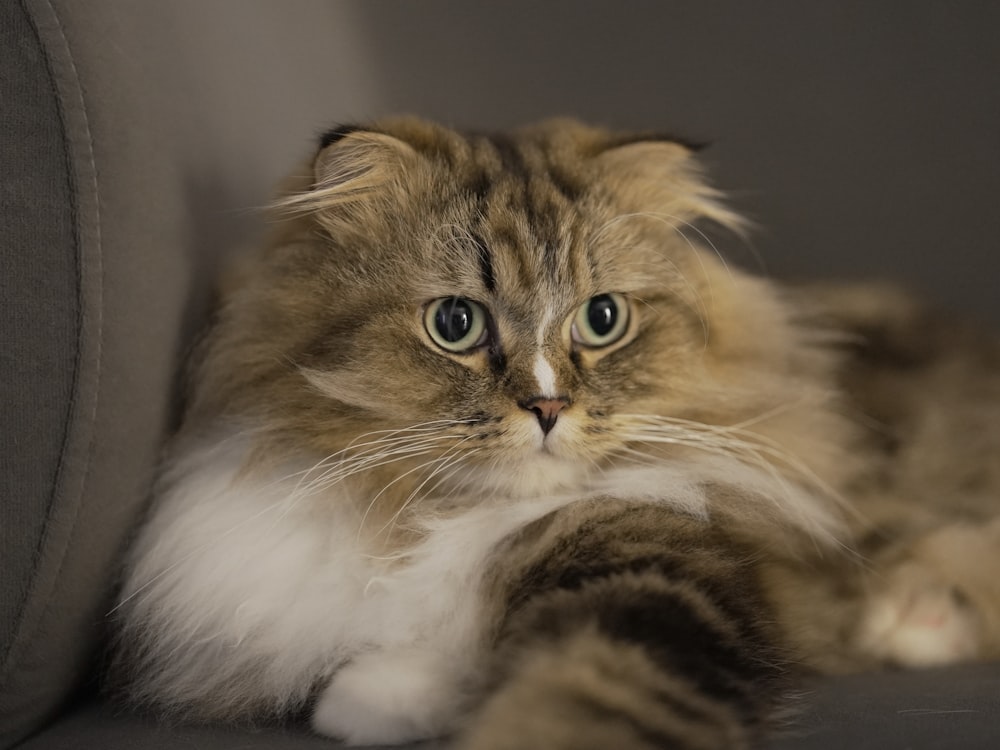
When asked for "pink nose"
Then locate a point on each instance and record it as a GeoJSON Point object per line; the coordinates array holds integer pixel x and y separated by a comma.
{"type": "Point", "coordinates": [546, 409]}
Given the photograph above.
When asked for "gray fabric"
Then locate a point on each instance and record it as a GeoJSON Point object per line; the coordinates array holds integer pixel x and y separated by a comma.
{"type": "Point", "coordinates": [50, 378]}
{"type": "Point", "coordinates": [38, 308]}
{"type": "Point", "coordinates": [952, 709]}
{"type": "Point", "coordinates": [176, 119]}
{"type": "Point", "coordinates": [936, 709]}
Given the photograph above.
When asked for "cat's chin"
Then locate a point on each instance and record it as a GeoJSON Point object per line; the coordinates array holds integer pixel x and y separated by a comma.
{"type": "Point", "coordinates": [540, 474]}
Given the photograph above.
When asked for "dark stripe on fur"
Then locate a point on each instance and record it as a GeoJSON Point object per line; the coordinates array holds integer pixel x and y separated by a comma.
{"type": "Point", "coordinates": [640, 581]}
{"type": "Point", "coordinates": [670, 625]}
{"type": "Point", "coordinates": [480, 184]}
{"type": "Point", "coordinates": [674, 630]}
{"type": "Point", "coordinates": [563, 182]}
{"type": "Point", "coordinates": [485, 264]}
{"type": "Point", "coordinates": [550, 256]}
{"type": "Point", "coordinates": [527, 171]}
{"type": "Point", "coordinates": [644, 733]}
{"type": "Point", "coordinates": [510, 157]}
{"type": "Point", "coordinates": [497, 359]}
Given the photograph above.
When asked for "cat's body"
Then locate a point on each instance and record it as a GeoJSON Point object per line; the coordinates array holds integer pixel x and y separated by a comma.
{"type": "Point", "coordinates": [487, 423]}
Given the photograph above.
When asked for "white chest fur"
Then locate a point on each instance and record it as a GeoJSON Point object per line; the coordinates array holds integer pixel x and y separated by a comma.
{"type": "Point", "coordinates": [245, 594]}
{"type": "Point", "coordinates": [234, 577]}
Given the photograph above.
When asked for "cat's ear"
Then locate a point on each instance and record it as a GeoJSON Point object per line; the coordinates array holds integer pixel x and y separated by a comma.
{"type": "Point", "coordinates": [355, 170]}
{"type": "Point", "coordinates": [655, 175]}
{"type": "Point", "coordinates": [353, 160]}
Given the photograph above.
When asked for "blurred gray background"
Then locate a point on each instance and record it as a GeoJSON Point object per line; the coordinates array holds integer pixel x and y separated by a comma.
{"type": "Point", "coordinates": [863, 138]}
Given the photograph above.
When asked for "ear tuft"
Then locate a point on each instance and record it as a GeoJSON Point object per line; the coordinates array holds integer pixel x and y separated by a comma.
{"type": "Point", "coordinates": [659, 175]}
{"type": "Point", "coordinates": [354, 165]}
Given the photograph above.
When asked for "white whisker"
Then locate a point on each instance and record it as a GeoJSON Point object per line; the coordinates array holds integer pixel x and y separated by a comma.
{"type": "Point", "coordinates": [394, 445]}
{"type": "Point", "coordinates": [444, 462]}
{"type": "Point", "coordinates": [736, 442]}
{"type": "Point", "coordinates": [405, 474]}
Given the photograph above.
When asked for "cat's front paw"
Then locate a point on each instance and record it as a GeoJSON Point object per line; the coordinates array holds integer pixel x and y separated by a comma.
{"type": "Point", "coordinates": [389, 698]}
{"type": "Point", "coordinates": [918, 619]}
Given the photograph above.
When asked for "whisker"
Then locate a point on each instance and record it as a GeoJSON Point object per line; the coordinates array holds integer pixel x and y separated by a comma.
{"type": "Point", "coordinates": [395, 445]}
{"type": "Point", "coordinates": [449, 460]}
{"type": "Point", "coordinates": [390, 434]}
{"type": "Point", "coordinates": [736, 442]}
{"type": "Point", "coordinates": [398, 478]}
{"type": "Point", "coordinates": [350, 465]}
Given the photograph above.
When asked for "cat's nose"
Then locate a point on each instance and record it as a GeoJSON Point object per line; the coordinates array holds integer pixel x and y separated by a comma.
{"type": "Point", "coordinates": [546, 409]}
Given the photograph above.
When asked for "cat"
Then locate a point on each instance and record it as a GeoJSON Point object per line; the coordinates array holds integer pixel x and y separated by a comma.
{"type": "Point", "coordinates": [488, 441]}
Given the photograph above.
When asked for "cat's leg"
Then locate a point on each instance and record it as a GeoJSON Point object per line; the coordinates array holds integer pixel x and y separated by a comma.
{"type": "Point", "coordinates": [627, 626]}
{"type": "Point", "coordinates": [390, 697]}
{"type": "Point", "coordinates": [939, 603]}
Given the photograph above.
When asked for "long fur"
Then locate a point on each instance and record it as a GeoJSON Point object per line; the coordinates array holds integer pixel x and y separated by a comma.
{"type": "Point", "coordinates": [360, 523]}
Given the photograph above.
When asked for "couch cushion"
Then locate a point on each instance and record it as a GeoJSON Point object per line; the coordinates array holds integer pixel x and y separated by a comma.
{"type": "Point", "coordinates": [138, 138]}
{"type": "Point", "coordinates": [50, 293]}
{"type": "Point", "coordinates": [38, 305]}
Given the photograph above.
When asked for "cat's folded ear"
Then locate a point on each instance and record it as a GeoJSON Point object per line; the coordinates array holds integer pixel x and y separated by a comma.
{"type": "Point", "coordinates": [661, 176]}
{"type": "Point", "coordinates": [355, 170]}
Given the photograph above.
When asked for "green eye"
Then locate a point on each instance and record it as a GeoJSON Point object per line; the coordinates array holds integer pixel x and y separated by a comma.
{"type": "Point", "coordinates": [456, 324]}
{"type": "Point", "coordinates": [601, 321]}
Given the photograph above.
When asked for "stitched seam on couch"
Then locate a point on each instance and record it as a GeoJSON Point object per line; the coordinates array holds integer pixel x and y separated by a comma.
{"type": "Point", "coordinates": [73, 115]}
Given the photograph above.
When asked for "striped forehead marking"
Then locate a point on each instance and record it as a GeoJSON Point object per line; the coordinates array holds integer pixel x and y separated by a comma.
{"type": "Point", "coordinates": [547, 316]}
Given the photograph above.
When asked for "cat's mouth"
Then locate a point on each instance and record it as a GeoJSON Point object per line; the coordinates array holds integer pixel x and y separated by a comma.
{"type": "Point", "coordinates": [555, 443]}
{"type": "Point", "coordinates": [548, 443]}
{"type": "Point", "coordinates": [532, 465]}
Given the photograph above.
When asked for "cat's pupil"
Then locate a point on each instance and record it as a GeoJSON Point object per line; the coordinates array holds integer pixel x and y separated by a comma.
{"type": "Point", "coordinates": [602, 314]}
{"type": "Point", "coordinates": [454, 319]}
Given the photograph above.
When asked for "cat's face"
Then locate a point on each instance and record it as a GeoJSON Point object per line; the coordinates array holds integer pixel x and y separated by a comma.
{"type": "Point", "coordinates": [509, 312]}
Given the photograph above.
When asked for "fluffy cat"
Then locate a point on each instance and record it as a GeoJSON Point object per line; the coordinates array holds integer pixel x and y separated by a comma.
{"type": "Point", "coordinates": [488, 441]}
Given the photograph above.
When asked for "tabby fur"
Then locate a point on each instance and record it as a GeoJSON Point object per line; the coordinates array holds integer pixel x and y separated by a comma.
{"type": "Point", "coordinates": [536, 542]}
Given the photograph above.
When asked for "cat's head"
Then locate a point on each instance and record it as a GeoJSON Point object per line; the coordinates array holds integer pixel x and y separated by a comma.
{"type": "Point", "coordinates": [502, 313]}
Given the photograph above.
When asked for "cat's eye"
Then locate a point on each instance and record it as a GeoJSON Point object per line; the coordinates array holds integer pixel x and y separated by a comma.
{"type": "Point", "coordinates": [601, 321]}
{"type": "Point", "coordinates": [456, 324]}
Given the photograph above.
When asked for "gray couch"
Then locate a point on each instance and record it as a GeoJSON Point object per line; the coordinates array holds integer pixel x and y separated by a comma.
{"type": "Point", "coordinates": [138, 137]}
